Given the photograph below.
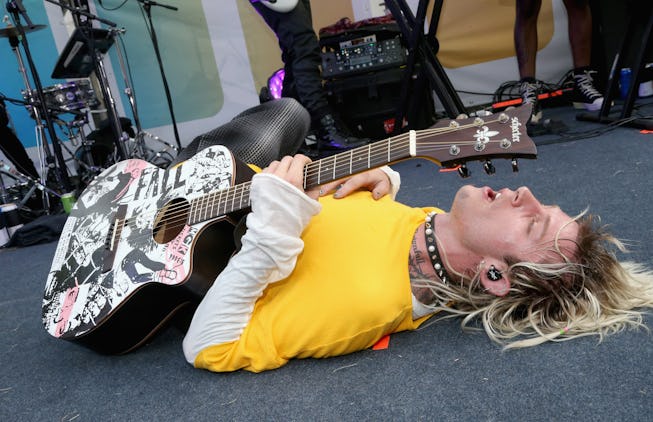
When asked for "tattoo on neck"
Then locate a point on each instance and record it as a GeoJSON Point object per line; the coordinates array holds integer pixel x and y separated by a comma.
{"type": "Point", "coordinates": [417, 260]}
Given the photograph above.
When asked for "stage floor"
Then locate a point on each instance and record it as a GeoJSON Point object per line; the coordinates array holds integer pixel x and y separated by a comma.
{"type": "Point", "coordinates": [436, 373]}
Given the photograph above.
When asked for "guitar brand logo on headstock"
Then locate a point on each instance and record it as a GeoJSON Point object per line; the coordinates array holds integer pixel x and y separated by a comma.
{"type": "Point", "coordinates": [484, 134]}
{"type": "Point", "coordinates": [515, 126]}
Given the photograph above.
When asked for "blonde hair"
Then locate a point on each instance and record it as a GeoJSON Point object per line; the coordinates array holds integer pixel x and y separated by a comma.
{"type": "Point", "coordinates": [590, 294]}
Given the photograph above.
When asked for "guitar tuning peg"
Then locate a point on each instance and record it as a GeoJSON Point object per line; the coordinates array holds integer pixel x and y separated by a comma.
{"type": "Point", "coordinates": [489, 167]}
{"type": "Point", "coordinates": [463, 171]}
{"type": "Point", "coordinates": [515, 166]}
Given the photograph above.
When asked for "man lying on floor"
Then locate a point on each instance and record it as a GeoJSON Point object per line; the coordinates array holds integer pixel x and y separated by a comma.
{"type": "Point", "coordinates": [322, 275]}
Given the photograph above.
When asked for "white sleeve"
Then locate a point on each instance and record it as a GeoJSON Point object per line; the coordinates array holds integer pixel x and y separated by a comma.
{"type": "Point", "coordinates": [269, 251]}
{"type": "Point", "coordinates": [395, 180]}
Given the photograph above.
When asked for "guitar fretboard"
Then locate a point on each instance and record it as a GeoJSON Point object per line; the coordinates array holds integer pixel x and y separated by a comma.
{"type": "Point", "coordinates": [316, 173]}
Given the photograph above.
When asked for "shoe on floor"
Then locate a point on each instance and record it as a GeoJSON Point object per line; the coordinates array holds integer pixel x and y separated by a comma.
{"type": "Point", "coordinates": [333, 135]}
{"type": "Point", "coordinates": [529, 89]}
{"type": "Point", "coordinates": [585, 93]}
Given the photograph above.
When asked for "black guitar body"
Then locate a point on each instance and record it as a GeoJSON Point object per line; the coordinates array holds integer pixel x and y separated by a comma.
{"type": "Point", "coordinates": [127, 262]}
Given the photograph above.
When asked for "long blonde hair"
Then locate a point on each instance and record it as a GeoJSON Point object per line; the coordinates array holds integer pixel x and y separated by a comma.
{"type": "Point", "coordinates": [591, 294]}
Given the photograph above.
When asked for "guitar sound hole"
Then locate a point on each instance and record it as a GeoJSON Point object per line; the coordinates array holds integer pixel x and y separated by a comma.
{"type": "Point", "coordinates": [170, 220]}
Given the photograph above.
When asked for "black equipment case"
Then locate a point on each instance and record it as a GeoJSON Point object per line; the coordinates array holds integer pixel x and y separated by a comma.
{"type": "Point", "coordinates": [363, 67]}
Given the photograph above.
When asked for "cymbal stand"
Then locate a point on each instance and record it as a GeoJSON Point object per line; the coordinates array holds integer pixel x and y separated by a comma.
{"type": "Point", "coordinates": [140, 148]}
{"type": "Point", "coordinates": [40, 115]}
{"type": "Point", "coordinates": [35, 108]}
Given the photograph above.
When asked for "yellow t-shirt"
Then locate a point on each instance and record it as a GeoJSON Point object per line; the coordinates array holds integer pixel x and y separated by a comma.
{"type": "Point", "coordinates": [350, 287]}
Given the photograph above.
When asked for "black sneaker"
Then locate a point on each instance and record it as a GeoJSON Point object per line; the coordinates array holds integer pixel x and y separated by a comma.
{"type": "Point", "coordinates": [585, 93]}
{"type": "Point", "coordinates": [529, 90]}
{"type": "Point", "coordinates": [334, 136]}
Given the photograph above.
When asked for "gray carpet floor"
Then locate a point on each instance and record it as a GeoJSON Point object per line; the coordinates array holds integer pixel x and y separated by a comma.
{"type": "Point", "coordinates": [436, 373]}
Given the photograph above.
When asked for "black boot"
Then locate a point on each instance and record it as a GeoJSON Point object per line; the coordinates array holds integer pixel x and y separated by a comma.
{"type": "Point", "coordinates": [332, 135]}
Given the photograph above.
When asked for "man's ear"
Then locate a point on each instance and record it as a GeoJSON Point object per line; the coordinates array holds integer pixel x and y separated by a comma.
{"type": "Point", "coordinates": [494, 279]}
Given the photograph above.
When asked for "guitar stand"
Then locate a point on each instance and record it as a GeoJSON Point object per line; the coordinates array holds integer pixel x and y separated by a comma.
{"type": "Point", "coordinates": [423, 50]}
{"type": "Point", "coordinates": [641, 17]}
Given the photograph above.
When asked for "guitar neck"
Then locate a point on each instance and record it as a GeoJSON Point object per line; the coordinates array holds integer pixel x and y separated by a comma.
{"type": "Point", "coordinates": [358, 160]}
{"type": "Point", "coordinates": [449, 143]}
{"type": "Point", "coordinates": [316, 173]}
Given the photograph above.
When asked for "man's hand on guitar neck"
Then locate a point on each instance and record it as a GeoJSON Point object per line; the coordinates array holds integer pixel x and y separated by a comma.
{"type": "Point", "coordinates": [291, 169]}
{"type": "Point", "coordinates": [378, 181]}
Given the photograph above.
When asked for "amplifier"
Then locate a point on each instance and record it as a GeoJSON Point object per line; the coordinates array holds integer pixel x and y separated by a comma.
{"type": "Point", "coordinates": [362, 55]}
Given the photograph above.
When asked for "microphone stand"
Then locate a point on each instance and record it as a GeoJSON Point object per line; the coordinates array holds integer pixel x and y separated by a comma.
{"type": "Point", "coordinates": [15, 8]}
{"type": "Point", "coordinates": [147, 4]}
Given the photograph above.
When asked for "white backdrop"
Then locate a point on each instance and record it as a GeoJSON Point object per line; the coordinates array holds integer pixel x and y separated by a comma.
{"type": "Point", "coordinates": [205, 56]}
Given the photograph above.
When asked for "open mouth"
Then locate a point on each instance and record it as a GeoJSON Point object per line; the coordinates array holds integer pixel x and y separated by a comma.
{"type": "Point", "coordinates": [491, 195]}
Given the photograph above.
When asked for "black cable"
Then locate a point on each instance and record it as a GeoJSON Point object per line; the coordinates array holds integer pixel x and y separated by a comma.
{"type": "Point", "coordinates": [592, 133]}
{"type": "Point", "coordinates": [108, 9]}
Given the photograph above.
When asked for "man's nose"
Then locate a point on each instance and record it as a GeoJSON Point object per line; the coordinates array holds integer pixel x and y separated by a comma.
{"type": "Point", "coordinates": [525, 198]}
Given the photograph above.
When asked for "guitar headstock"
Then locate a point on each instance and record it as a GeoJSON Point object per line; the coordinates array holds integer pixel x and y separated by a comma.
{"type": "Point", "coordinates": [452, 143]}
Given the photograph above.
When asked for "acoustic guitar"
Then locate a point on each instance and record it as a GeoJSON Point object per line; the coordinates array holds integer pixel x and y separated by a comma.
{"type": "Point", "coordinates": [141, 243]}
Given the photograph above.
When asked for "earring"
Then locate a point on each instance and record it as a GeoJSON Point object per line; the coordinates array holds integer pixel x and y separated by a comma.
{"type": "Point", "coordinates": [493, 274]}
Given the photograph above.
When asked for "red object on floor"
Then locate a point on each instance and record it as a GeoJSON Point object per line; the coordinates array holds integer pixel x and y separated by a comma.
{"type": "Point", "coordinates": [517, 101]}
{"type": "Point", "coordinates": [383, 343]}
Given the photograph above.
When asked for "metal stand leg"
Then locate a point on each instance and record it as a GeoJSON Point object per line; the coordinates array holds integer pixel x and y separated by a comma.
{"type": "Point", "coordinates": [140, 149]}
{"type": "Point", "coordinates": [110, 104]}
{"type": "Point", "coordinates": [423, 49]}
{"type": "Point", "coordinates": [36, 111]}
{"type": "Point", "coordinates": [639, 10]}
{"type": "Point", "coordinates": [39, 107]}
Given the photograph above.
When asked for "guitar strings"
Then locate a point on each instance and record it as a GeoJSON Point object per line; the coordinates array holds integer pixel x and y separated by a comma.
{"type": "Point", "coordinates": [372, 152]}
{"type": "Point", "coordinates": [182, 209]}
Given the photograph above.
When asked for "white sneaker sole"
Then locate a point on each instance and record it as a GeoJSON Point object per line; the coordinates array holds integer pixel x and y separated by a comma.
{"type": "Point", "coordinates": [595, 106]}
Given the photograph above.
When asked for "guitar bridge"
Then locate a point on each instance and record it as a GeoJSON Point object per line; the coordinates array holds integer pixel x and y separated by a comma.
{"type": "Point", "coordinates": [113, 237]}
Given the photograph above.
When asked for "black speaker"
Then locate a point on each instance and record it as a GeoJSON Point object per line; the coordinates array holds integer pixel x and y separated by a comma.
{"type": "Point", "coordinates": [368, 103]}
{"type": "Point", "coordinates": [363, 70]}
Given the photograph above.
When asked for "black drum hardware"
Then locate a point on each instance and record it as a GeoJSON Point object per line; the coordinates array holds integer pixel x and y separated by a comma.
{"type": "Point", "coordinates": [67, 105]}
